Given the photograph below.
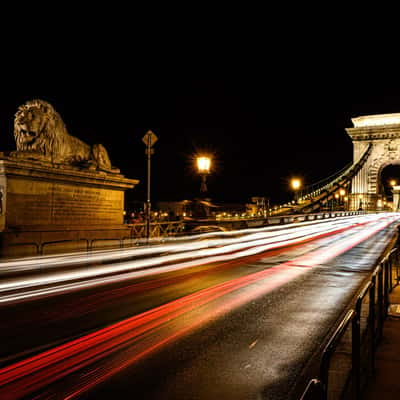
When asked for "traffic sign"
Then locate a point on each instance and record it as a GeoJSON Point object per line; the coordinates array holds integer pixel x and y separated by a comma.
{"type": "Point", "coordinates": [149, 138]}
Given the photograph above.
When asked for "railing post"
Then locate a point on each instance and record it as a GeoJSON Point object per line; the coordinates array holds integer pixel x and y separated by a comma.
{"type": "Point", "coordinates": [380, 301]}
{"type": "Point", "coordinates": [355, 340]}
{"type": "Point", "coordinates": [397, 265]}
{"type": "Point", "coordinates": [386, 288]}
{"type": "Point", "coordinates": [372, 319]}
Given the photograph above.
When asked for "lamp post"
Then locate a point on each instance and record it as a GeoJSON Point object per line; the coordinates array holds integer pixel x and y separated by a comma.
{"type": "Point", "coordinates": [392, 184]}
{"type": "Point", "coordinates": [342, 193]}
{"type": "Point", "coordinates": [203, 166]}
{"type": "Point", "coordinates": [295, 184]}
{"type": "Point", "coordinates": [148, 139]}
{"type": "Point", "coordinates": [337, 196]}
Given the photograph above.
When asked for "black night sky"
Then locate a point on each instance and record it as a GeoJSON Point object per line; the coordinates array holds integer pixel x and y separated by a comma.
{"type": "Point", "coordinates": [268, 106]}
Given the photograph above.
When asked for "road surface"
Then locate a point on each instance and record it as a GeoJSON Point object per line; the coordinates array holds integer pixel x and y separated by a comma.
{"type": "Point", "coordinates": [235, 315]}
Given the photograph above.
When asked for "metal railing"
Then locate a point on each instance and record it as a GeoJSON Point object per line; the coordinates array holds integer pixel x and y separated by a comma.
{"type": "Point", "coordinates": [157, 229]}
{"type": "Point", "coordinates": [356, 337]}
{"type": "Point", "coordinates": [316, 187]}
{"type": "Point", "coordinates": [312, 198]}
{"type": "Point", "coordinates": [341, 177]}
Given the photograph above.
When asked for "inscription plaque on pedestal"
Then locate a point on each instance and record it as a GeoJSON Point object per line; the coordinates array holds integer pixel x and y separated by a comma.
{"type": "Point", "coordinates": [47, 203]}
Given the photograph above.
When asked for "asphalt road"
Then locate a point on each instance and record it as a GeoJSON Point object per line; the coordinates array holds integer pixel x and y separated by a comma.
{"type": "Point", "coordinates": [239, 328]}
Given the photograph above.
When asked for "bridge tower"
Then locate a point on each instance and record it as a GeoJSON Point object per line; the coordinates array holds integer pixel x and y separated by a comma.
{"type": "Point", "coordinates": [382, 132]}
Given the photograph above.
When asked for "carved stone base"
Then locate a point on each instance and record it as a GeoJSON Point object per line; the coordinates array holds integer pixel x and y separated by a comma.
{"type": "Point", "coordinates": [363, 201]}
{"type": "Point", "coordinates": [42, 204]}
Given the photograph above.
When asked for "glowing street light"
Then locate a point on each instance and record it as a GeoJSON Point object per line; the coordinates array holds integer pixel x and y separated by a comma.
{"type": "Point", "coordinates": [203, 166]}
{"type": "Point", "coordinates": [335, 201]}
{"type": "Point", "coordinates": [393, 182]}
{"type": "Point", "coordinates": [295, 183]}
{"type": "Point", "coordinates": [341, 195]}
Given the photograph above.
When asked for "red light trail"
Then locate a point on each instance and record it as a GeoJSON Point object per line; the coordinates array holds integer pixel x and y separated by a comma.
{"type": "Point", "coordinates": [144, 333]}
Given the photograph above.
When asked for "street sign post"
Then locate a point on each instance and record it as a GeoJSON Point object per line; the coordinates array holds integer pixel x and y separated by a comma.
{"type": "Point", "coordinates": [149, 139]}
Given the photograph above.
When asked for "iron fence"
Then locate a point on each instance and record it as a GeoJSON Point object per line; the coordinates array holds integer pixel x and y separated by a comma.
{"type": "Point", "coordinates": [348, 358]}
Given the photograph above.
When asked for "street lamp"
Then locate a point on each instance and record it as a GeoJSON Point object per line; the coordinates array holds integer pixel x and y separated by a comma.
{"type": "Point", "coordinates": [203, 166]}
{"type": "Point", "coordinates": [342, 193]}
{"type": "Point", "coordinates": [295, 184]}
{"type": "Point", "coordinates": [337, 201]}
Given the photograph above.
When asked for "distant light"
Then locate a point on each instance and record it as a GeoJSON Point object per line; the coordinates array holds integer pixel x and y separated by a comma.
{"type": "Point", "coordinates": [393, 182]}
{"type": "Point", "coordinates": [296, 183]}
{"type": "Point", "coordinates": [203, 164]}
{"type": "Point", "coordinates": [376, 120]}
{"type": "Point", "coordinates": [342, 192]}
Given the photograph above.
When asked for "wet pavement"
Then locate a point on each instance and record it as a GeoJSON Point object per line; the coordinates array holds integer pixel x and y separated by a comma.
{"type": "Point", "coordinates": [249, 329]}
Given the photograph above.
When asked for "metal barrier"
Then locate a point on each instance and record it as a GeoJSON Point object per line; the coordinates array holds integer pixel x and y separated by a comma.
{"type": "Point", "coordinates": [326, 190]}
{"type": "Point", "coordinates": [157, 229]}
{"type": "Point", "coordinates": [366, 331]}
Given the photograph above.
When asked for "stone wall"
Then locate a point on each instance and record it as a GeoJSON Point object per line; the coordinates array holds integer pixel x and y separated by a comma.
{"type": "Point", "coordinates": [42, 204]}
{"type": "Point", "coordinates": [46, 203]}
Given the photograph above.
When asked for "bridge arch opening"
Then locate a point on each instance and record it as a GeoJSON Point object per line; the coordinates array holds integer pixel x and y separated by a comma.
{"type": "Point", "coordinates": [389, 176]}
{"type": "Point", "coordinates": [370, 186]}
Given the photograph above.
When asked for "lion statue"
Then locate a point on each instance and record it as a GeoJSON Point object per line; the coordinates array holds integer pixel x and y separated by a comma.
{"type": "Point", "coordinates": [40, 133]}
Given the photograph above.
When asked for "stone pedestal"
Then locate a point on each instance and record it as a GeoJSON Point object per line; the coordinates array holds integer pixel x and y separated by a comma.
{"type": "Point", "coordinates": [363, 202]}
{"type": "Point", "coordinates": [43, 205]}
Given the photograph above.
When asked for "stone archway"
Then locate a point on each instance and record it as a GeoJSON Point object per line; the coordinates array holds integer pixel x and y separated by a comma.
{"type": "Point", "coordinates": [383, 133]}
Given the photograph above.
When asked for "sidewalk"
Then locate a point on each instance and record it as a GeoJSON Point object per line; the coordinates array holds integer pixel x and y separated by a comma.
{"type": "Point", "coordinates": [385, 384]}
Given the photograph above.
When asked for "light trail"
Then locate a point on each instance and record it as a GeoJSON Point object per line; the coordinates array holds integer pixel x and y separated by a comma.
{"type": "Point", "coordinates": [149, 327]}
{"type": "Point", "coordinates": [178, 245]}
{"type": "Point", "coordinates": [24, 288]}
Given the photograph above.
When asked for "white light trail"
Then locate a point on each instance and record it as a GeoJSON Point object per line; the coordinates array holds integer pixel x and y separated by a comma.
{"type": "Point", "coordinates": [16, 289]}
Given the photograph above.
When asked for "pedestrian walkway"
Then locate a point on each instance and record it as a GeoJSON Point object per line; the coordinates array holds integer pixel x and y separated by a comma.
{"type": "Point", "coordinates": [385, 384]}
